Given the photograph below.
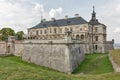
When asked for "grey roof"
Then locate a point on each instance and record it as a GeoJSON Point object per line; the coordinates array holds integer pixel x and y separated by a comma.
{"type": "Point", "coordinates": [61, 22]}
{"type": "Point", "coordinates": [94, 22]}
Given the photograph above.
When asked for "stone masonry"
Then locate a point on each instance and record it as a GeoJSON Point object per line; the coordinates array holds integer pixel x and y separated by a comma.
{"type": "Point", "coordinates": [62, 55]}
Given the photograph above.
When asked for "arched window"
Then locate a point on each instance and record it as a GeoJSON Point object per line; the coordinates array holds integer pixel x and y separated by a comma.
{"type": "Point", "coordinates": [82, 36]}
{"type": "Point", "coordinates": [77, 36]}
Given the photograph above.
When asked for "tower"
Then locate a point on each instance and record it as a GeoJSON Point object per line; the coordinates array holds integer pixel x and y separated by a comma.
{"type": "Point", "coordinates": [93, 20]}
{"type": "Point", "coordinates": [41, 19]}
{"type": "Point", "coordinates": [93, 14]}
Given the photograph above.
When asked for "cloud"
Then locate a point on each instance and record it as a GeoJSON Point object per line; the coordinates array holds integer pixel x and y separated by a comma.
{"type": "Point", "coordinates": [117, 30]}
{"type": "Point", "coordinates": [111, 9]}
{"type": "Point", "coordinates": [23, 14]}
{"type": "Point", "coordinates": [39, 8]}
{"type": "Point", "coordinates": [55, 12]}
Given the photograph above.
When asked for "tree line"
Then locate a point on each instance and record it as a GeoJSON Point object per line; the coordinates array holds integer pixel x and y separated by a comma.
{"type": "Point", "coordinates": [6, 32]}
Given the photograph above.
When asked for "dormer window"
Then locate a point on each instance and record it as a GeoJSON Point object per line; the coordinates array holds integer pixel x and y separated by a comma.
{"type": "Point", "coordinates": [44, 25]}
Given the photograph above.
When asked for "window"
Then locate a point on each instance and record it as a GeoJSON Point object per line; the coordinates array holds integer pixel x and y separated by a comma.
{"type": "Point", "coordinates": [96, 38]}
{"type": "Point", "coordinates": [37, 32]}
{"type": "Point", "coordinates": [45, 32]}
{"type": "Point", "coordinates": [40, 31]}
{"type": "Point", "coordinates": [82, 36]}
{"type": "Point", "coordinates": [104, 37]}
{"type": "Point", "coordinates": [104, 29]}
{"type": "Point", "coordinates": [60, 30]}
{"type": "Point", "coordinates": [85, 28]}
{"type": "Point", "coordinates": [66, 29]}
{"type": "Point", "coordinates": [50, 30]}
{"type": "Point", "coordinates": [55, 30]}
{"type": "Point", "coordinates": [96, 29]}
{"type": "Point", "coordinates": [96, 47]}
{"type": "Point", "coordinates": [30, 33]}
{"type": "Point", "coordinates": [71, 29]}
{"type": "Point", "coordinates": [80, 29]}
{"type": "Point", "coordinates": [77, 36]}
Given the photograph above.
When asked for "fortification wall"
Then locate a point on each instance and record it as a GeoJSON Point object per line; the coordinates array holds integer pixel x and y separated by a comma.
{"type": "Point", "coordinates": [108, 45]}
{"type": "Point", "coordinates": [2, 47]}
{"type": "Point", "coordinates": [58, 55]}
{"type": "Point", "coordinates": [19, 48]}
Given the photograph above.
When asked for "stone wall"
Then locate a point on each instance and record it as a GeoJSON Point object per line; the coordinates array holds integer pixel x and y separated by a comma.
{"type": "Point", "coordinates": [108, 45]}
{"type": "Point", "coordinates": [19, 48]}
{"type": "Point", "coordinates": [8, 48]}
{"type": "Point", "coordinates": [2, 47]}
{"type": "Point", "coordinates": [59, 55]}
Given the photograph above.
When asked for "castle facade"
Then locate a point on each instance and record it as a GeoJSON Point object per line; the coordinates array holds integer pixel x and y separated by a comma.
{"type": "Point", "coordinates": [92, 34]}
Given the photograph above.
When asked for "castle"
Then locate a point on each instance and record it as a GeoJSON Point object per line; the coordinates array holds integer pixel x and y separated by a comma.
{"type": "Point", "coordinates": [61, 44]}
{"type": "Point", "coordinates": [92, 34]}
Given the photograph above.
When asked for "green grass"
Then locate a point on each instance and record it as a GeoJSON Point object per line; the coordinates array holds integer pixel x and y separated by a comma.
{"type": "Point", "coordinates": [13, 68]}
{"type": "Point", "coordinates": [95, 64]}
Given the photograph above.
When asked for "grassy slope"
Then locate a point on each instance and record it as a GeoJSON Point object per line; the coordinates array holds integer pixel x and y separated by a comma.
{"type": "Point", "coordinates": [115, 55]}
{"type": "Point", "coordinates": [95, 64]}
{"type": "Point", "coordinates": [12, 68]}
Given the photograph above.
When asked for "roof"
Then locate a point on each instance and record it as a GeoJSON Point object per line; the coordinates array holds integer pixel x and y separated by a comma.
{"type": "Point", "coordinates": [94, 22]}
{"type": "Point", "coordinates": [61, 22]}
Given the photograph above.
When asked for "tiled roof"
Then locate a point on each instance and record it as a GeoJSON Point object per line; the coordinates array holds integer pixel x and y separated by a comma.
{"type": "Point", "coordinates": [61, 22]}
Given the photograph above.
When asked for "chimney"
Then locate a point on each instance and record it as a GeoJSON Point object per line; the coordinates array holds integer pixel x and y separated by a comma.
{"type": "Point", "coordinates": [44, 20]}
{"type": "Point", "coordinates": [53, 19]}
{"type": "Point", "coordinates": [76, 15]}
{"type": "Point", "coordinates": [66, 17]}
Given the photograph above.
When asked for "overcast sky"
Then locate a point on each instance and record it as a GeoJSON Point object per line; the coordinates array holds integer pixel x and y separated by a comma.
{"type": "Point", "coordinates": [23, 14]}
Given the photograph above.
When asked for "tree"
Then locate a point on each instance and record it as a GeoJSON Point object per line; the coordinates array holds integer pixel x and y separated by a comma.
{"type": "Point", "coordinates": [19, 35]}
{"type": "Point", "coordinates": [6, 32]}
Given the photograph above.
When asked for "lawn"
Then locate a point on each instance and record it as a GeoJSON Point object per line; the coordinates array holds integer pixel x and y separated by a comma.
{"type": "Point", "coordinates": [13, 68]}
{"type": "Point", "coordinates": [95, 64]}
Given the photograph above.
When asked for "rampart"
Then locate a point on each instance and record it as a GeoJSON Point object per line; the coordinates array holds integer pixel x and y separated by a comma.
{"type": "Point", "coordinates": [60, 55]}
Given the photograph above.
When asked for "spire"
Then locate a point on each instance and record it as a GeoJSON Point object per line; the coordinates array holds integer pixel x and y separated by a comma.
{"type": "Point", "coordinates": [93, 17]}
{"type": "Point", "coordinates": [93, 14]}
{"type": "Point", "coordinates": [93, 9]}
{"type": "Point", "coordinates": [41, 19]}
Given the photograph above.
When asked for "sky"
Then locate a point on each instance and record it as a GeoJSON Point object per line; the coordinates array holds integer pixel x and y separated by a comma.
{"type": "Point", "coordinates": [23, 14]}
